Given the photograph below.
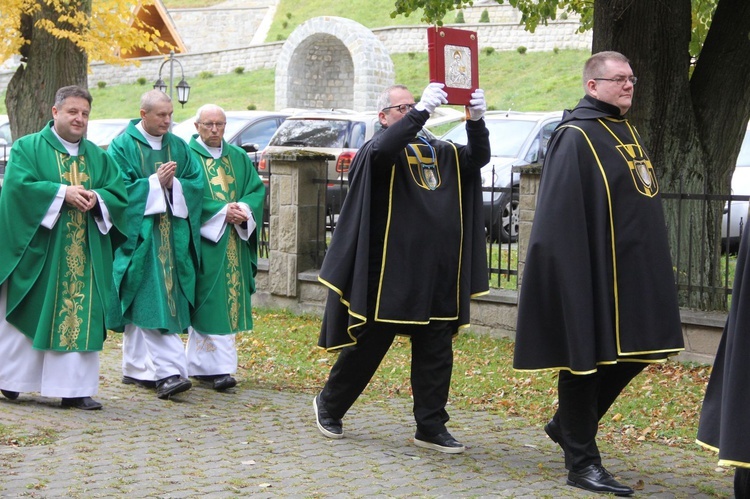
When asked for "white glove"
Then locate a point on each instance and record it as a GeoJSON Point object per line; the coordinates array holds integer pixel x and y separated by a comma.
{"type": "Point", "coordinates": [477, 105]}
{"type": "Point", "coordinates": [432, 97]}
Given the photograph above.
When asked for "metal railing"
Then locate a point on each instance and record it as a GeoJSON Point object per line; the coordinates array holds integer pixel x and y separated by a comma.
{"type": "Point", "coordinates": [503, 255]}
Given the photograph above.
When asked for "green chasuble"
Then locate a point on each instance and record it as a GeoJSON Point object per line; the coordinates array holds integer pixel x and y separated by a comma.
{"type": "Point", "coordinates": [226, 279]}
{"type": "Point", "coordinates": [155, 269]}
{"type": "Point", "coordinates": [58, 279]}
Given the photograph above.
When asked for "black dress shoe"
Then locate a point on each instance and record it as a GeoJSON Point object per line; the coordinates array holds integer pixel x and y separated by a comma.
{"type": "Point", "coordinates": [172, 385]}
{"type": "Point", "coordinates": [595, 478]}
{"type": "Point", "coordinates": [328, 426]}
{"type": "Point", "coordinates": [9, 394]}
{"type": "Point", "coordinates": [442, 442]}
{"type": "Point", "coordinates": [552, 429]}
{"type": "Point", "coordinates": [145, 383]}
{"type": "Point", "coordinates": [83, 403]}
{"type": "Point", "coordinates": [224, 382]}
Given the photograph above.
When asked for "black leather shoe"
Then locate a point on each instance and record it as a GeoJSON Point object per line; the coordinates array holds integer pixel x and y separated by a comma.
{"type": "Point", "coordinates": [9, 394]}
{"type": "Point", "coordinates": [145, 383]}
{"type": "Point", "coordinates": [172, 385]}
{"type": "Point", "coordinates": [83, 403]}
{"type": "Point", "coordinates": [328, 426]}
{"type": "Point", "coordinates": [595, 478]}
{"type": "Point", "coordinates": [552, 429]}
{"type": "Point", "coordinates": [224, 382]}
{"type": "Point", "coordinates": [442, 442]}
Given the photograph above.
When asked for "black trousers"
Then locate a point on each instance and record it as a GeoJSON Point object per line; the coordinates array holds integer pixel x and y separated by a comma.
{"type": "Point", "coordinates": [431, 368]}
{"type": "Point", "coordinates": [584, 399]}
{"type": "Point", "coordinates": [742, 483]}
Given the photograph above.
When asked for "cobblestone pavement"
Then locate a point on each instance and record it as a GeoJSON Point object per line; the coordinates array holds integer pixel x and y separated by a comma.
{"type": "Point", "coordinates": [264, 443]}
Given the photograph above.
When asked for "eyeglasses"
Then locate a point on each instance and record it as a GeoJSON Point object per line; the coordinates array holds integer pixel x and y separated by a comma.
{"type": "Point", "coordinates": [402, 108]}
{"type": "Point", "coordinates": [218, 125]}
{"type": "Point", "coordinates": [620, 80]}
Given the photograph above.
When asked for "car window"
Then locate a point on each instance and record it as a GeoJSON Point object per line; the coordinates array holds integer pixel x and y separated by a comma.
{"type": "Point", "coordinates": [540, 143]}
{"type": "Point", "coordinates": [744, 158]}
{"type": "Point", "coordinates": [311, 133]}
{"type": "Point", "coordinates": [5, 133]}
{"type": "Point", "coordinates": [257, 133]}
{"type": "Point", "coordinates": [506, 136]}
{"type": "Point", "coordinates": [359, 130]}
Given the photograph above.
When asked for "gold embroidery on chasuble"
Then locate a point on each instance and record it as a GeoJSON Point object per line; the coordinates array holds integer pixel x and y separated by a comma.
{"type": "Point", "coordinates": [222, 183]}
{"type": "Point", "coordinates": [165, 258]}
{"type": "Point", "coordinates": [165, 252]}
{"type": "Point", "coordinates": [75, 287]}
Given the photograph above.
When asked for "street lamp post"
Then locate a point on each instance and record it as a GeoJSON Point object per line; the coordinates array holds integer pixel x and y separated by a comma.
{"type": "Point", "coordinates": [183, 89]}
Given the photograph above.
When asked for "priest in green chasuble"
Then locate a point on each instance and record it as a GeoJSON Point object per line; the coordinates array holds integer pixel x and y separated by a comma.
{"type": "Point", "coordinates": [233, 199]}
{"type": "Point", "coordinates": [155, 269]}
{"type": "Point", "coordinates": [62, 208]}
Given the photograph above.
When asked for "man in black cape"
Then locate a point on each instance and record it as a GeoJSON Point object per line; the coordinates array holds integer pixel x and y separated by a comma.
{"type": "Point", "coordinates": [407, 255]}
{"type": "Point", "coordinates": [598, 300]}
{"type": "Point", "coordinates": [725, 417]}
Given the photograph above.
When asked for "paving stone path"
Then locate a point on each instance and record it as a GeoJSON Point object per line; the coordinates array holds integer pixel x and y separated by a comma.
{"type": "Point", "coordinates": [264, 443]}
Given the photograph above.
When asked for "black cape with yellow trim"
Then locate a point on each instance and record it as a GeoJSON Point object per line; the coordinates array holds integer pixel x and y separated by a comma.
{"type": "Point", "coordinates": [725, 417]}
{"type": "Point", "coordinates": [409, 245]}
{"type": "Point", "coordinates": [597, 286]}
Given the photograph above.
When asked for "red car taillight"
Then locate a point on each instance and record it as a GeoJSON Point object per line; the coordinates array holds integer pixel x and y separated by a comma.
{"type": "Point", "coordinates": [344, 161]}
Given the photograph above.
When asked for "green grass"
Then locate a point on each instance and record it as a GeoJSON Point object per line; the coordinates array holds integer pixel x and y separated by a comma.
{"type": "Point", "coordinates": [510, 81]}
{"type": "Point", "coordinates": [661, 405]}
{"type": "Point", "coordinates": [292, 13]}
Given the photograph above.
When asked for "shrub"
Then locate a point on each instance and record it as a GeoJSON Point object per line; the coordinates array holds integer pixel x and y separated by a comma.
{"type": "Point", "coordinates": [288, 15]}
{"type": "Point", "coordinates": [488, 50]}
{"type": "Point", "coordinates": [205, 75]}
{"type": "Point", "coordinates": [252, 107]}
{"type": "Point", "coordinates": [101, 84]}
{"type": "Point", "coordinates": [239, 70]}
{"type": "Point", "coordinates": [564, 16]}
{"type": "Point", "coordinates": [485, 17]}
{"type": "Point", "coordinates": [521, 50]}
{"type": "Point", "coordinates": [460, 17]}
{"type": "Point", "coordinates": [556, 50]}
{"type": "Point", "coordinates": [285, 25]}
{"type": "Point", "coordinates": [411, 55]}
{"type": "Point", "coordinates": [141, 81]}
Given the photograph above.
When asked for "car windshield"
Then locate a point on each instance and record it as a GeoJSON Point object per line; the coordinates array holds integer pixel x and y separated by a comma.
{"type": "Point", "coordinates": [506, 136]}
{"type": "Point", "coordinates": [103, 133]}
{"type": "Point", "coordinates": [311, 133]}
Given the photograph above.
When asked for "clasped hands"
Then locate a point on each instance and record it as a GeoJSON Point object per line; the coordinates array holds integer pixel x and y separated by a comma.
{"type": "Point", "coordinates": [235, 214]}
{"type": "Point", "coordinates": [165, 173]}
{"type": "Point", "coordinates": [81, 199]}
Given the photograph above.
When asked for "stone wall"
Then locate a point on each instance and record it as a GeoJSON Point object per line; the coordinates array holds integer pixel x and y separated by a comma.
{"type": "Point", "coordinates": [197, 27]}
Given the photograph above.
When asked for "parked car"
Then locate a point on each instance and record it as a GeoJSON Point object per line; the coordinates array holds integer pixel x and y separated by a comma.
{"type": "Point", "coordinates": [250, 130]}
{"type": "Point", "coordinates": [102, 132]}
{"type": "Point", "coordinates": [736, 212]}
{"type": "Point", "coordinates": [6, 141]}
{"type": "Point", "coordinates": [339, 133]}
{"type": "Point", "coordinates": [516, 139]}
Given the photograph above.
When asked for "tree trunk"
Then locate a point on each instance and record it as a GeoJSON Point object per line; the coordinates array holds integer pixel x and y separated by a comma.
{"type": "Point", "coordinates": [681, 118]}
{"type": "Point", "coordinates": [50, 63]}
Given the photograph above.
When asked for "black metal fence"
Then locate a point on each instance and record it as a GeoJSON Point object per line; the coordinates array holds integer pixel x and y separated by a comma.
{"type": "Point", "coordinates": [503, 254]}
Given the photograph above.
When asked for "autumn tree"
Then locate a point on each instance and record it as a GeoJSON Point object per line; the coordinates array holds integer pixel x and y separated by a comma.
{"type": "Point", "coordinates": [692, 103]}
{"type": "Point", "coordinates": [55, 40]}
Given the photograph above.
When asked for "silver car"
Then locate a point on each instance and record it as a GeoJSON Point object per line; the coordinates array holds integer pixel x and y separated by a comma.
{"type": "Point", "coordinates": [516, 139]}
